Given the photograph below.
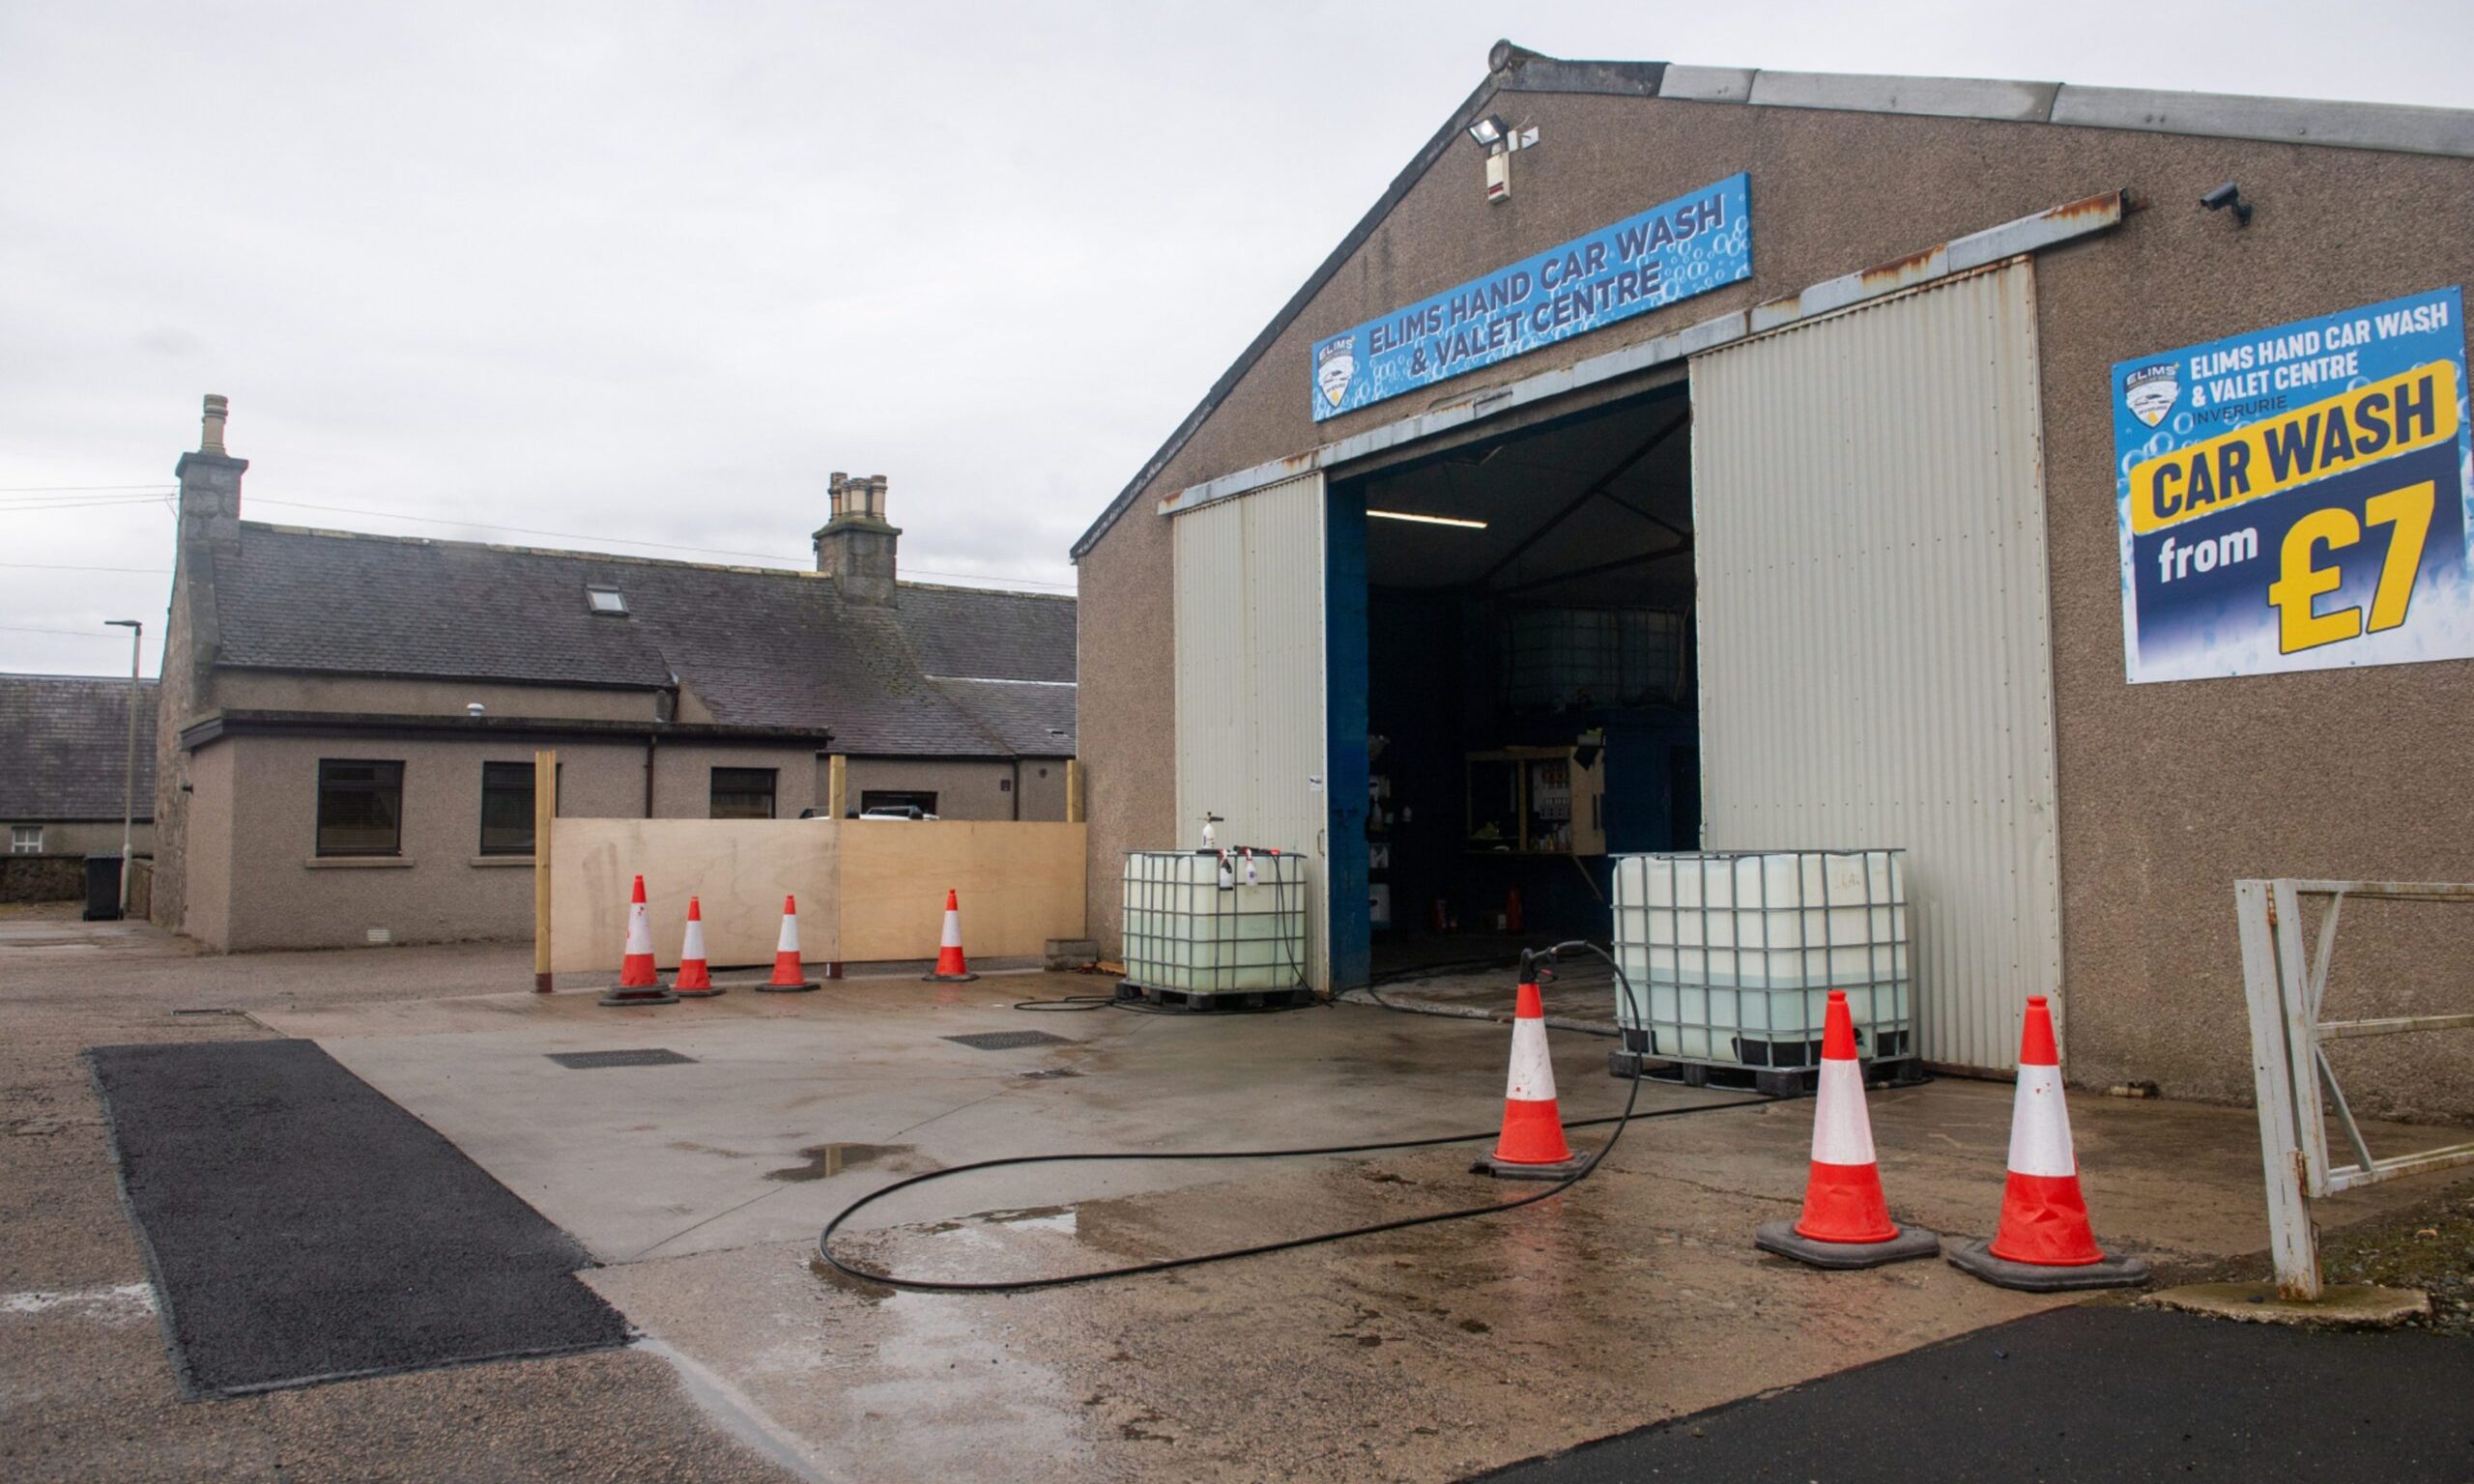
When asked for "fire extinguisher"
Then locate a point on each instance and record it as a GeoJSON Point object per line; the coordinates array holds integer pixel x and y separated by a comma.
{"type": "Point", "coordinates": [1512, 910]}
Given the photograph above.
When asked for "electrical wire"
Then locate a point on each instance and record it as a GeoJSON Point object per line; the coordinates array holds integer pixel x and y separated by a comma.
{"type": "Point", "coordinates": [1621, 1120]}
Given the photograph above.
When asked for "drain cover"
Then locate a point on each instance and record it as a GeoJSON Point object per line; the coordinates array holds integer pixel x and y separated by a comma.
{"type": "Point", "coordinates": [582, 1060]}
{"type": "Point", "coordinates": [1007, 1040]}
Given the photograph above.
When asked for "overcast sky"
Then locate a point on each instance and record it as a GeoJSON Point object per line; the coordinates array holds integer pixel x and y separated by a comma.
{"type": "Point", "coordinates": [628, 271]}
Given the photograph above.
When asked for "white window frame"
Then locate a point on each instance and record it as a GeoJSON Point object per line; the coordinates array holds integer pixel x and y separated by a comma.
{"type": "Point", "coordinates": [25, 840]}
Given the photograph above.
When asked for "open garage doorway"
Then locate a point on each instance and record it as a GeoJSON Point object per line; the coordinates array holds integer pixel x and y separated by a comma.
{"type": "Point", "coordinates": [1528, 683]}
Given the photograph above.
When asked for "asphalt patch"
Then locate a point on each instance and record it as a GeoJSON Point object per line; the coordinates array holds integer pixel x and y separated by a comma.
{"type": "Point", "coordinates": [2082, 1393]}
{"type": "Point", "coordinates": [1007, 1040]}
{"type": "Point", "coordinates": [302, 1228]}
{"type": "Point", "coordinates": [651, 1056]}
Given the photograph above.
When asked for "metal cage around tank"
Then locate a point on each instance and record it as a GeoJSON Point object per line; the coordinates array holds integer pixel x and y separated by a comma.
{"type": "Point", "coordinates": [1188, 934]}
{"type": "Point", "coordinates": [1734, 954]}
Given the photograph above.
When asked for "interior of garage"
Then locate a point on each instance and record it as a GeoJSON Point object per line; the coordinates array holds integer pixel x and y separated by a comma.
{"type": "Point", "coordinates": [1529, 686]}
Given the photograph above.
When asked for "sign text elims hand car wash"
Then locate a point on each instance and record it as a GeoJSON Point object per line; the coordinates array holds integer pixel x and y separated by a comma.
{"type": "Point", "coordinates": [1691, 245]}
{"type": "Point", "coordinates": [2298, 497]}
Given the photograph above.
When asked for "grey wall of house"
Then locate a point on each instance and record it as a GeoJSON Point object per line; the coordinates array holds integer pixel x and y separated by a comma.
{"type": "Point", "coordinates": [83, 836]}
{"type": "Point", "coordinates": [440, 887]}
{"type": "Point", "coordinates": [684, 778]}
{"type": "Point", "coordinates": [2167, 792]}
{"type": "Point", "coordinates": [269, 690]}
{"type": "Point", "coordinates": [204, 909]}
{"type": "Point", "coordinates": [966, 789]}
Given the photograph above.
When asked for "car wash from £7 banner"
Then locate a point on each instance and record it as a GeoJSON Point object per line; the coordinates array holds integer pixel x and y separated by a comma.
{"type": "Point", "coordinates": [2298, 497]}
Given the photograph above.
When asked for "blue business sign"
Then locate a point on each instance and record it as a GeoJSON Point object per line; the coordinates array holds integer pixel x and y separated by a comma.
{"type": "Point", "coordinates": [1689, 245]}
{"type": "Point", "coordinates": [2298, 497]}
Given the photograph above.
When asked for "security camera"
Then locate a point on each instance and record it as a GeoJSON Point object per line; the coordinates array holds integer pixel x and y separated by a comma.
{"type": "Point", "coordinates": [2229, 194]}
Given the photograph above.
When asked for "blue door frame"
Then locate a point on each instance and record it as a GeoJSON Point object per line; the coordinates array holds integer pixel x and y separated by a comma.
{"type": "Point", "coordinates": [1344, 669]}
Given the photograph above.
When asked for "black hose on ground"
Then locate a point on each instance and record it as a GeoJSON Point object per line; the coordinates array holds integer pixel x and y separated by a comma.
{"type": "Point", "coordinates": [824, 1239]}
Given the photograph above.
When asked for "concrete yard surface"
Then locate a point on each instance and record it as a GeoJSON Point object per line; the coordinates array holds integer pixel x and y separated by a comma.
{"type": "Point", "coordinates": [701, 1184]}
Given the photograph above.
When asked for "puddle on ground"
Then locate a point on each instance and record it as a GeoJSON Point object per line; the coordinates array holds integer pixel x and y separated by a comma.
{"type": "Point", "coordinates": [825, 1160]}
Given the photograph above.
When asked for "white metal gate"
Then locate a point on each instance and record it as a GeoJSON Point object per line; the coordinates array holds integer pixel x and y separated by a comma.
{"type": "Point", "coordinates": [1251, 733]}
{"type": "Point", "coordinates": [1875, 668]}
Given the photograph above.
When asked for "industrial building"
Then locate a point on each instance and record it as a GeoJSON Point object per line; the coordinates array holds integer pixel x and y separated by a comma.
{"type": "Point", "coordinates": [349, 721]}
{"type": "Point", "coordinates": [2064, 486]}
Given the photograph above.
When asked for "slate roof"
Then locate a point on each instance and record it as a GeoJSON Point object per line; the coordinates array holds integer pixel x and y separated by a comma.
{"type": "Point", "coordinates": [64, 742]}
{"type": "Point", "coordinates": [759, 647]}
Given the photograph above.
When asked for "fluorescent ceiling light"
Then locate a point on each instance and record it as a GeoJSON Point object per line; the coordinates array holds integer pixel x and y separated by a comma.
{"type": "Point", "coordinates": [1425, 520]}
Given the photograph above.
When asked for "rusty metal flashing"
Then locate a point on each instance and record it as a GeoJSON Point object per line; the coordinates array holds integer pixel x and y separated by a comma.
{"type": "Point", "coordinates": [2397, 128]}
{"type": "Point", "coordinates": [1961, 255]}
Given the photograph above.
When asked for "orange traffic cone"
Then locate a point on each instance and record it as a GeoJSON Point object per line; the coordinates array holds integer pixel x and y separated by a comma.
{"type": "Point", "coordinates": [695, 980]}
{"type": "Point", "coordinates": [638, 983]}
{"type": "Point", "coordinates": [1847, 1220]}
{"type": "Point", "coordinates": [1531, 1144]}
{"type": "Point", "coordinates": [2045, 1244]}
{"type": "Point", "coordinates": [949, 947]}
{"type": "Point", "coordinates": [789, 976]}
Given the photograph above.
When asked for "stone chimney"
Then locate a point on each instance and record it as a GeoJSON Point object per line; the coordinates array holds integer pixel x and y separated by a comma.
{"type": "Point", "coordinates": [856, 548]}
{"type": "Point", "coordinates": [210, 482]}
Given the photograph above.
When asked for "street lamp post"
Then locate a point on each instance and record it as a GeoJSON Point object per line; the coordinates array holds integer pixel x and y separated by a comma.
{"type": "Point", "coordinates": [128, 786]}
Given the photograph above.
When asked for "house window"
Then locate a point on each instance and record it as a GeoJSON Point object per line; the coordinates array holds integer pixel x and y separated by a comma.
{"type": "Point", "coordinates": [506, 806]}
{"type": "Point", "coordinates": [743, 793]}
{"type": "Point", "coordinates": [25, 840]}
{"type": "Point", "coordinates": [361, 806]}
{"type": "Point", "coordinates": [606, 600]}
{"type": "Point", "coordinates": [898, 798]}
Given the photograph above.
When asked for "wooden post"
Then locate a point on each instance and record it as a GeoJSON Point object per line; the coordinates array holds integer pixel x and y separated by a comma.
{"type": "Point", "coordinates": [545, 811]}
{"type": "Point", "coordinates": [837, 787]}
{"type": "Point", "coordinates": [1073, 790]}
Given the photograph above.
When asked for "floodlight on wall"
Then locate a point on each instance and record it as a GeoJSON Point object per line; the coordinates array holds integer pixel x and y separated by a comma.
{"type": "Point", "coordinates": [1460, 522]}
{"type": "Point", "coordinates": [1489, 131]}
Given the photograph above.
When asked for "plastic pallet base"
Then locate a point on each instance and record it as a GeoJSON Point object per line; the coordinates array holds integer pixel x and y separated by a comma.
{"type": "Point", "coordinates": [655, 994]}
{"type": "Point", "coordinates": [1770, 1081]}
{"type": "Point", "coordinates": [1976, 1259]}
{"type": "Point", "coordinates": [1911, 1243]}
{"type": "Point", "coordinates": [1204, 1001]}
{"type": "Point", "coordinates": [1505, 1169]}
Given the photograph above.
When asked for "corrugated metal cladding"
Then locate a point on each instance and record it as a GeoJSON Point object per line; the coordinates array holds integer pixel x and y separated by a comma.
{"type": "Point", "coordinates": [1875, 668]}
{"type": "Point", "coordinates": [1248, 610]}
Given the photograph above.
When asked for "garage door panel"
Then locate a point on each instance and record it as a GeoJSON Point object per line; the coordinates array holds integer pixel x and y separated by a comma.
{"type": "Point", "coordinates": [1251, 731]}
{"type": "Point", "coordinates": [1875, 657]}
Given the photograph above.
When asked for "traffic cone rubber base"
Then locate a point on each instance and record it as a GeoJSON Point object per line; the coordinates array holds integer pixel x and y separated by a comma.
{"type": "Point", "coordinates": [801, 987]}
{"type": "Point", "coordinates": [947, 979]}
{"type": "Point", "coordinates": [1911, 1243]}
{"type": "Point", "coordinates": [705, 993]}
{"type": "Point", "coordinates": [1976, 1259]}
{"type": "Point", "coordinates": [646, 994]}
{"type": "Point", "coordinates": [1507, 1169]}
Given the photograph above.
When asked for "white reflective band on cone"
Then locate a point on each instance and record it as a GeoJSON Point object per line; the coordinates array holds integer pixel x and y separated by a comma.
{"type": "Point", "coordinates": [953, 937]}
{"type": "Point", "coordinates": [1533, 1073]}
{"type": "Point", "coordinates": [789, 935]}
{"type": "Point", "coordinates": [694, 946]}
{"type": "Point", "coordinates": [639, 931]}
{"type": "Point", "coordinates": [1842, 1134]}
{"type": "Point", "coordinates": [2040, 1124]}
